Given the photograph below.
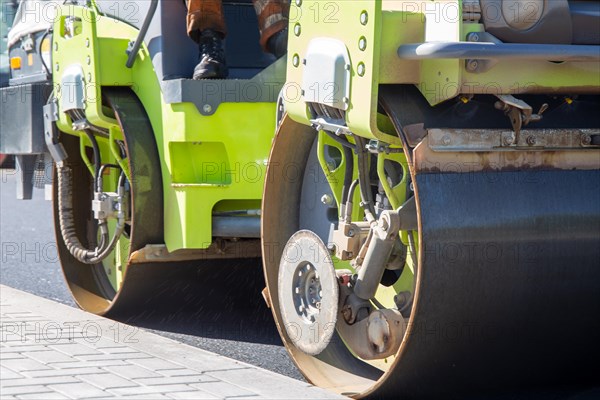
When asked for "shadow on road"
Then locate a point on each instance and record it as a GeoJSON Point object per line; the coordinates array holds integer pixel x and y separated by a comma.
{"type": "Point", "coordinates": [219, 299]}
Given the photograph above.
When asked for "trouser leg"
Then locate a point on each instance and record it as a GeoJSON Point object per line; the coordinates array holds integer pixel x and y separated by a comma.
{"type": "Point", "coordinates": [205, 14]}
{"type": "Point", "coordinates": [272, 17]}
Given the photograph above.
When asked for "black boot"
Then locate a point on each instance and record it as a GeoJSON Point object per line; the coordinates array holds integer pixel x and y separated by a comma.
{"type": "Point", "coordinates": [277, 44]}
{"type": "Point", "coordinates": [212, 57]}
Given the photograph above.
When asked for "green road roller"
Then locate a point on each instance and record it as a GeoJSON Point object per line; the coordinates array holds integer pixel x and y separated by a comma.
{"type": "Point", "coordinates": [421, 178]}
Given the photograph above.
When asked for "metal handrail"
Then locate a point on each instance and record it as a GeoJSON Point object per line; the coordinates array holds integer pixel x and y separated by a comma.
{"type": "Point", "coordinates": [498, 51]}
{"type": "Point", "coordinates": [135, 48]}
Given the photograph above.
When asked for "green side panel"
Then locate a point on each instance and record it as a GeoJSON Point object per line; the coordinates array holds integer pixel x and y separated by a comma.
{"type": "Point", "coordinates": [348, 21]}
{"type": "Point", "coordinates": [213, 159]}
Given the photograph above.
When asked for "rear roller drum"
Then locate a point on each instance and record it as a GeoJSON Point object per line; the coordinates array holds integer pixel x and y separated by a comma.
{"type": "Point", "coordinates": [104, 284]}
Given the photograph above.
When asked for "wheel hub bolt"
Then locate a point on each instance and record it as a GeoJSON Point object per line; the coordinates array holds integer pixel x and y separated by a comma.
{"type": "Point", "coordinates": [586, 140]}
{"type": "Point", "coordinates": [327, 200]}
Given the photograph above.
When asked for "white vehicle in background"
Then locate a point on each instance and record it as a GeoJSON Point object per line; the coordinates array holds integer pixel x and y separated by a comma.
{"type": "Point", "coordinates": [7, 14]}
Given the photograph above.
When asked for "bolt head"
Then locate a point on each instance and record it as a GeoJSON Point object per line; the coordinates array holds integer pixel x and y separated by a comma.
{"type": "Point", "coordinates": [298, 3]}
{"type": "Point", "coordinates": [297, 29]}
{"type": "Point", "coordinates": [331, 248]}
{"type": "Point", "coordinates": [508, 140]}
{"type": "Point", "coordinates": [364, 17]}
{"type": "Point", "coordinates": [207, 108]}
{"type": "Point", "coordinates": [327, 200]}
{"type": "Point", "coordinates": [296, 60]}
{"type": "Point", "coordinates": [586, 140]}
{"type": "Point", "coordinates": [474, 37]}
{"type": "Point", "coordinates": [362, 43]}
{"type": "Point", "coordinates": [361, 69]}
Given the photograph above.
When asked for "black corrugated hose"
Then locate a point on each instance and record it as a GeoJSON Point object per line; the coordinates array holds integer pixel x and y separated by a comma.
{"type": "Point", "coordinates": [67, 221]}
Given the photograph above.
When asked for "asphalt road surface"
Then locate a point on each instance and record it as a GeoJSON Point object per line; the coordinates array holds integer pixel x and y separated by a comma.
{"type": "Point", "coordinates": [218, 310]}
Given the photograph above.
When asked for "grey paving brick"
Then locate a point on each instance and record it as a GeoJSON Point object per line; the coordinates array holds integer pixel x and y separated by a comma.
{"type": "Point", "coordinates": [43, 396]}
{"type": "Point", "coordinates": [132, 371]}
{"type": "Point", "coordinates": [79, 390]}
{"type": "Point", "coordinates": [88, 364]}
{"type": "Point", "coordinates": [6, 373]}
{"type": "Point", "coordinates": [28, 340]}
{"type": "Point", "coordinates": [141, 390]}
{"type": "Point", "coordinates": [50, 356]}
{"type": "Point", "coordinates": [107, 341]}
{"type": "Point", "coordinates": [59, 372]}
{"type": "Point", "coordinates": [172, 380]}
{"type": "Point", "coordinates": [178, 372]}
{"type": "Point", "coordinates": [223, 389]}
{"type": "Point", "coordinates": [118, 350]}
{"type": "Point", "coordinates": [195, 395]}
{"type": "Point", "coordinates": [75, 349]}
{"type": "Point", "coordinates": [151, 396]}
{"type": "Point", "coordinates": [24, 364]}
{"type": "Point", "coordinates": [156, 364]}
{"type": "Point", "coordinates": [201, 360]}
{"type": "Point", "coordinates": [11, 356]}
{"type": "Point", "coordinates": [20, 390]}
{"type": "Point", "coordinates": [20, 349]}
{"type": "Point", "coordinates": [128, 356]}
{"type": "Point", "coordinates": [38, 381]}
{"type": "Point", "coordinates": [107, 381]}
{"type": "Point", "coordinates": [271, 385]}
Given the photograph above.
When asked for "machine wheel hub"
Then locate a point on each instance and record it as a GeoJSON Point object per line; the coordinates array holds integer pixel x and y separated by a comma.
{"type": "Point", "coordinates": [309, 292]}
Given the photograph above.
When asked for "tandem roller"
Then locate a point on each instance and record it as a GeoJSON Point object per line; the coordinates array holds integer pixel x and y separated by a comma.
{"type": "Point", "coordinates": [431, 226]}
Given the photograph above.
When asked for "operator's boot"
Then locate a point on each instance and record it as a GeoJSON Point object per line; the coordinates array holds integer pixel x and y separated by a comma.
{"type": "Point", "coordinates": [212, 57]}
{"type": "Point", "coordinates": [277, 44]}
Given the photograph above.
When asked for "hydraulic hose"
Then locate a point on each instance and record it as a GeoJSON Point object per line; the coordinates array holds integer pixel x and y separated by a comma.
{"type": "Point", "coordinates": [365, 180]}
{"type": "Point", "coordinates": [67, 222]}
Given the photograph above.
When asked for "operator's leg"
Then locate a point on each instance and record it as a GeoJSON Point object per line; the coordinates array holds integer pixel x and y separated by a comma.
{"type": "Point", "coordinates": [206, 26]}
{"type": "Point", "coordinates": [273, 22]}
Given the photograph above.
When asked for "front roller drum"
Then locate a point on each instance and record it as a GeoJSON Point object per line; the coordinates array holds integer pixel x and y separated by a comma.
{"type": "Point", "coordinates": [507, 290]}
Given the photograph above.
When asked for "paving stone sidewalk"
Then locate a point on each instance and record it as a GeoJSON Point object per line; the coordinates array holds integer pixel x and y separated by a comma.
{"type": "Point", "coordinates": [52, 351]}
